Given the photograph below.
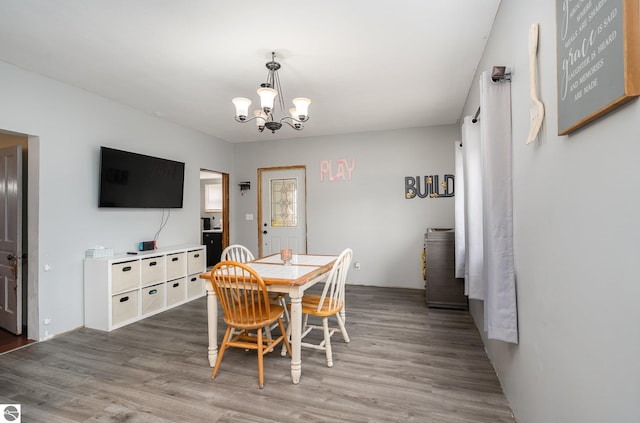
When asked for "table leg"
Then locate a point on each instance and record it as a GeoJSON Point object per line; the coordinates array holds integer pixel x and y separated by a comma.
{"type": "Point", "coordinates": [296, 330]}
{"type": "Point", "coordinates": [212, 322]}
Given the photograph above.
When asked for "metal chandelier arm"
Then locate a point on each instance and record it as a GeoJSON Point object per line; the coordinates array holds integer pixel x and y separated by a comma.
{"type": "Point", "coordinates": [297, 123]}
{"type": "Point", "coordinates": [245, 120]}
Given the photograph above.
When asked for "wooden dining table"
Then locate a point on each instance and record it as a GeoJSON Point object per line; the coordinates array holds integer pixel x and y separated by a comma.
{"type": "Point", "coordinates": [304, 271]}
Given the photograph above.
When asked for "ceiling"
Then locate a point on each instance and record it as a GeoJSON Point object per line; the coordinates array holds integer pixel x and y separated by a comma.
{"type": "Point", "coordinates": [365, 65]}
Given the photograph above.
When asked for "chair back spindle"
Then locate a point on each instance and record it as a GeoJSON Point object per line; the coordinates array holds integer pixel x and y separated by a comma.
{"type": "Point", "coordinates": [334, 289]}
{"type": "Point", "coordinates": [236, 252]}
{"type": "Point", "coordinates": [242, 294]}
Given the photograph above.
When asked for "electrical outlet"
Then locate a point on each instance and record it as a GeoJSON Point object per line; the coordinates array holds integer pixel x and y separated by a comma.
{"type": "Point", "coordinates": [356, 265]}
{"type": "Point", "coordinates": [47, 321]}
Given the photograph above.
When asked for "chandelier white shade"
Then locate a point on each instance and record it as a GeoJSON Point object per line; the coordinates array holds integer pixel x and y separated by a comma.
{"type": "Point", "coordinates": [302, 107]}
{"type": "Point", "coordinates": [267, 97]}
{"type": "Point", "coordinates": [268, 92]}
{"type": "Point", "coordinates": [242, 107]}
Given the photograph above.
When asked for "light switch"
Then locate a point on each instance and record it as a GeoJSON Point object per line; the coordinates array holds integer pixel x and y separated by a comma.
{"type": "Point", "coordinates": [248, 216]}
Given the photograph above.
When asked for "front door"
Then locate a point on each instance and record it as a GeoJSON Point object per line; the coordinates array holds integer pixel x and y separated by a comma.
{"type": "Point", "coordinates": [11, 239]}
{"type": "Point", "coordinates": [282, 210]}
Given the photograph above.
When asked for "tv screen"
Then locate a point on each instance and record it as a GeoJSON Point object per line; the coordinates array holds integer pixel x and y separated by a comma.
{"type": "Point", "coordinates": [134, 180]}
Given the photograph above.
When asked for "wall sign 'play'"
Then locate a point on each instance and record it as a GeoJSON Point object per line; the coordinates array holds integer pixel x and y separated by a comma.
{"type": "Point", "coordinates": [433, 189]}
{"type": "Point", "coordinates": [343, 170]}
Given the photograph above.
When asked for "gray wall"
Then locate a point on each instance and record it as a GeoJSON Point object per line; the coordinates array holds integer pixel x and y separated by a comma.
{"type": "Point", "coordinates": [577, 237]}
{"type": "Point", "coordinates": [367, 213]}
{"type": "Point", "coordinates": [67, 127]}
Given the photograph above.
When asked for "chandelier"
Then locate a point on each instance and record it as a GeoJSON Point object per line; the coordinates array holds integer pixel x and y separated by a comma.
{"type": "Point", "coordinates": [268, 91]}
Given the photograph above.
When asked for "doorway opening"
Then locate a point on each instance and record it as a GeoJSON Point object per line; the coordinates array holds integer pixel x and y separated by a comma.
{"type": "Point", "coordinates": [214, 213]}
{"type": "Point", "coordinates": [22, 328]}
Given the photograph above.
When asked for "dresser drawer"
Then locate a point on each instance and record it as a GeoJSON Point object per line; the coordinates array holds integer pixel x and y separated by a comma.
{"type": "Point", "coordinates": [153, 298]}
{"type": "Point", "coordinates": [152, 270]}
{"type": "Point", "coordinates": [195, 261]}
{"type": "Point", "coordinates": [124, 307]}
{"type": "Point", "coordinates": [125, 276]}
{"type": "Point", "coordinates": [176, 265]}
{"type": "Point", "coordinates": [195, 286]}
{"type": "Point", "coordinates": [176, 291]}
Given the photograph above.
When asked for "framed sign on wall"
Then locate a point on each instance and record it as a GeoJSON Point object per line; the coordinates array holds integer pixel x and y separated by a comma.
{"type": "Point", "coordinates": [598, 47]}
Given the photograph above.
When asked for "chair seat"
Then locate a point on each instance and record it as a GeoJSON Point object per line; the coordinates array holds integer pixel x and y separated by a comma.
{"type": "Point", "coordinates": [248, 323]}
{"type": "Point", "coordinates": [310, 304]}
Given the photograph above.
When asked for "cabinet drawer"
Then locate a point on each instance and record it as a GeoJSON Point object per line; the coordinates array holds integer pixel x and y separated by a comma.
{"type": "Point", "coordinates": [153, 298]}
{"type": "Point", "coordinates": [195, 286]}
{"type": "Point", "coordinates": [125, 276]}
{"type": "Point", "coordinates": [176, 265]}
{"type": "Point", "coordinates": [176, 291]}
{"type": "Point", "coordinates": [124, 307]}
{"type": "Point", "coordinates": [195, 261]}
{"type": "Point", "coordinates": [152, 270]}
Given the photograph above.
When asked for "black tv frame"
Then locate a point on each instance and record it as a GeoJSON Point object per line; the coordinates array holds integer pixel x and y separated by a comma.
{"type": "Point", "coordinates": [133, 180]}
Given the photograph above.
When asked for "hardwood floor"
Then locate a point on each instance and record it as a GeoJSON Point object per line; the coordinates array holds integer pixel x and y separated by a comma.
{"type": "Point", "coordinates": [9, 341]}
{"type": "Point", "coordinates": [405, 363]}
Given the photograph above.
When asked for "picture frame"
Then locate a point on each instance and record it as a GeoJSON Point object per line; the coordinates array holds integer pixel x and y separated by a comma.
{"type": "Point", "coordinates": [598, 59]}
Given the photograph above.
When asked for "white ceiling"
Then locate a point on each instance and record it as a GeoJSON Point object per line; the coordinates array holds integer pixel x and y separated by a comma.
{"type": "Point", "coordinates": [366, 65]}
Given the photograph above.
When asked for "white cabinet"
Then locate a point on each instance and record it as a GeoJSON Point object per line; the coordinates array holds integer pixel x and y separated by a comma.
{"type": "Point", "coordinates": [123, 289]}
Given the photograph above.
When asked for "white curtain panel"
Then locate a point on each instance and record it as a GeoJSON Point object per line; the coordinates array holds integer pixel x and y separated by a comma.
{"type": "Point", "coordinates": [473, 186]}
{"type": "Point", "coordinates": [501, 317]}
{"type": "Point", "coordinates": [459, 213]}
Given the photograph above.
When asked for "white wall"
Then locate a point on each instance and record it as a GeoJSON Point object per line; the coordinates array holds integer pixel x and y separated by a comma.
{"type": "Point", "coordinates": [367, 213]}
{"type": "Point", "coordinates": [577, 243]}
{"type": "Point", "coordinates": [71, 125]}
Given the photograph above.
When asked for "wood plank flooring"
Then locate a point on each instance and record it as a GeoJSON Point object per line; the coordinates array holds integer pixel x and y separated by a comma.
{"type": "Point", "coordinates": [405, 363]}
{"type": "Point", "coordinates": [9, 341]}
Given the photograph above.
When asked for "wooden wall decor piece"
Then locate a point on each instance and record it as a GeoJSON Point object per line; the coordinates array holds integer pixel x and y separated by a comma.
{"type": "Point", "coordinates": [598, 48]}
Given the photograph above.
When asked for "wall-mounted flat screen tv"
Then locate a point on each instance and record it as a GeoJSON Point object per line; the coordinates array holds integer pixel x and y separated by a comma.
{"type": "Point", "coordinates": [133, 180]}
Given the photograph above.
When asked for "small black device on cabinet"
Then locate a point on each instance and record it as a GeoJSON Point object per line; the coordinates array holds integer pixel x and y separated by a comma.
{"type": "Point", "coordinates": [147, 245]}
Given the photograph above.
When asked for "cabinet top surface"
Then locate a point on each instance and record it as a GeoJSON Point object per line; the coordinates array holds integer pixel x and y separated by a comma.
{"type": "Point", "coordinates": [144, 254]}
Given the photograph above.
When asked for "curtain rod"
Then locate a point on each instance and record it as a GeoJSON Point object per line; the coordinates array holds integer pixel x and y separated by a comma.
{"type": "Point", "coordinates": [475, 117]}
{"type": "Point", "coordinates": [498, 73]}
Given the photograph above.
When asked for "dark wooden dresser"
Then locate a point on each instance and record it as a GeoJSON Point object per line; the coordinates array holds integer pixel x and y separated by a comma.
{"type": "Point", "coordinates": [444, 290]}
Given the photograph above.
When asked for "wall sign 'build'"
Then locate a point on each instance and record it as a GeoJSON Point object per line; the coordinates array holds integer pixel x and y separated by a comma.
{"type": "Point", "coordinates": [433, 189]}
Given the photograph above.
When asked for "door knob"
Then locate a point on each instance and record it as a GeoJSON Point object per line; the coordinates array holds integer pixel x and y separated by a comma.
{"type": "Point", "coordinates": [11, 257]}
